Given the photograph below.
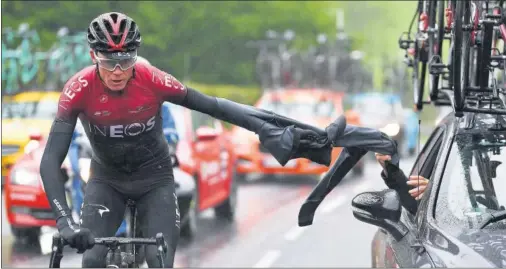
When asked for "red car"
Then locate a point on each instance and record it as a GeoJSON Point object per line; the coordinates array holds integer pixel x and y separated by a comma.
{"type": "Point", "coordinates": [25, 199]}
{"type": "Point", "coordinates": [204, 151]}
{"type": "Point", "coordinates": [318, 107]}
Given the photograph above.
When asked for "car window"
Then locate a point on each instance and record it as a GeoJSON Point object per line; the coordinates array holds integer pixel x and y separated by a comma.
{"type": "Point", "coordinates": [427, 158]}
{"type": "Point", "coordinates": [297, 108]}
{"type": "Point", "coordinates": [32, 110]}
{"type": "Point", "coordinates": [370, 105]}
{"type": "Point", "coordinates": [473, 183]}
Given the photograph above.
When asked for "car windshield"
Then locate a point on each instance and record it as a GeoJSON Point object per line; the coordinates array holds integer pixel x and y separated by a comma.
{"type": "Point", "coordinates": [296, 109]}
{"type": "Point", "coordinates": [29, 110]}
{"type": "Point", "coordinates": [375, 106]}
{"type": "Point", "coordinates": [474, 182]}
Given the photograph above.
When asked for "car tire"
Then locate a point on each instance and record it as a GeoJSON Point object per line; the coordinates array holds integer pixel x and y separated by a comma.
{"type": "Point", "coordinates": [29, 235]}
{"type": "Point", "coordinates": [227, 209]}
{"type": "Point", "coordinates": [190, 227]}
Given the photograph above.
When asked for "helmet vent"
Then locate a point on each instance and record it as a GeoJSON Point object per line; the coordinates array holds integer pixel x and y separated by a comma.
{"type": "Point", "coordinates": [99, 32]}
{"type": "Point", "coordinates": [131, 31]}
{"type": "Point", "coordinates": [108, 26]}
{"type": "Point", "coordinates": [114, 17]}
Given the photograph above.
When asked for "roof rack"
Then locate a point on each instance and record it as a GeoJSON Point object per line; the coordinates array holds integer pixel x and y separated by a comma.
{"type": "Point", "coordinates": [478, 96]}
{"type": "Point", "coordinates": [475, 101]}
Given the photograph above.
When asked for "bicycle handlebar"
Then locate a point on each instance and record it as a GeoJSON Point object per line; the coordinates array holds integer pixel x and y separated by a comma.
{"type": "Point", "coordinates": [110, 242]}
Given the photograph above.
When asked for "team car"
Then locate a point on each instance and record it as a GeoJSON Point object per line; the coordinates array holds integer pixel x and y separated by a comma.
{"type": "Point", "coordinates": [313, 106]}
{"type": "Point", "coordinates": [23, 115]}
{"type": "Point", "coordinates": [205, 152]}
{"type": "Point", "coordinates": [204, 177]}
{"type": "Point", "coordinates": [384, 111]}
{"type": "Point", "coordinates": [460, 220]}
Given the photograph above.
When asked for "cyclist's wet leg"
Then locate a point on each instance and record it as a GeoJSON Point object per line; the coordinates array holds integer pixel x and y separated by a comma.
{"type": "Point", "coordinates": [103, 211]}
{"type": "Point", "coordinates": [158, 212]}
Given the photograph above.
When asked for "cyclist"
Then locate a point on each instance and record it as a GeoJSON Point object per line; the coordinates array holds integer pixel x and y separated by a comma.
{"type": "Point", "coordinates": [169, 130]}
{"type": "Point", "coordinates": [118, 101]}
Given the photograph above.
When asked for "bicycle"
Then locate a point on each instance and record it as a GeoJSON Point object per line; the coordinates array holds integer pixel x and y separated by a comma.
{"type": "Point", "coordinates": [472, 83]}
{"type": "Point", "coordinates": [418, 49]}
{"type": "Point", "coordinates": [115, 257]}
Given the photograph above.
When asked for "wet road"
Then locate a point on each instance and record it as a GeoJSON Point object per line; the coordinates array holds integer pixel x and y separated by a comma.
{"type": "Point", "coordinates": [265, 233]}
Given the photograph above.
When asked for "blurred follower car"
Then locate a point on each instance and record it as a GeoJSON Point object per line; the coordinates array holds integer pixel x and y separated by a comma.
{"type": "Point", "coordinates": [204, 154]}
{"type": "Point", "coordinates": [25, 114]}
{"type": "Point", "coordinates": [317, 107]}
{"type": "Point", "coordinates": [461, 218]}
{"type": "Point", "coordinates": [27, 207]}
{"type": "Point", "coordinates": [384, 111]}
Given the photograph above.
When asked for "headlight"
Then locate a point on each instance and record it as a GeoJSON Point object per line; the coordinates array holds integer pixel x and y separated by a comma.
{"type": "Point", "coordinates": [84, 168]}
{"type": "Point", "coordinates": [22, 176]}
{"type": "Point", "coordinates": [392, 129]}
{"type": "Point", "coordinates": [33, 144]}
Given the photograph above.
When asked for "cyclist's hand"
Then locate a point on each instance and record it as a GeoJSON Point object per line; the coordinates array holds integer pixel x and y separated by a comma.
{"type": "Point", "coordinates": [78, 238]}
{"type": "Point", "coordinates": [420, 184]}
{"type": "Point", "coordinates": [382, 158]}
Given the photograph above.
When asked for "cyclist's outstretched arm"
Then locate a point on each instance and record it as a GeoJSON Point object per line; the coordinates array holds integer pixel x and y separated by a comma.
{"type": "Point", "coordinates": [278, 134]}
{"type": "Point", "coordinates": [58, 143]}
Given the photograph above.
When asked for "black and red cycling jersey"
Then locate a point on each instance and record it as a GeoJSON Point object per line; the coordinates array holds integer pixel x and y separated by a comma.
{"type": "Point", "coordinates": [124, 128]}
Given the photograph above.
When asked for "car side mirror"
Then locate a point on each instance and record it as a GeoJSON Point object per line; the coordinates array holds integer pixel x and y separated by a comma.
{"type": "Point", "coordinates": [206, 133]}
{"type": "Point", "coordinates": [382, 209]}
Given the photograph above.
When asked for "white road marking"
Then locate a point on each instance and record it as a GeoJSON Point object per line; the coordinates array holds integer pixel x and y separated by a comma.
{"type": "Point", "coordinates": [268, 259]}
{"type": "Point", "coordinates": [294, 233]}
{"type": "Point", "coordinates": [333, 204]}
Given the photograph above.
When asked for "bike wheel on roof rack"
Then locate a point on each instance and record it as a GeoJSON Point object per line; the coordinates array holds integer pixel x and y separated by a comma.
{"type": "Point", "coordinates": [487, 35]}
{"type": "Point", "coordinates": [419, 61]}
{"type": "Point", "coordinates": [460, 57]}
{"type": "Point", "coordinates": [436, 44]}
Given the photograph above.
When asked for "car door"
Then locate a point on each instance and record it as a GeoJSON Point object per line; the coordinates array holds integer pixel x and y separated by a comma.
{"type": "Point", "coordinates": [206, 153]}
{"type": "Point", "coordinates": [405, 252]}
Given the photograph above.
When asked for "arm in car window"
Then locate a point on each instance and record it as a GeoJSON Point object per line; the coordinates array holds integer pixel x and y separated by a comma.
{"type": "Point", "coordinates": [409, 190]}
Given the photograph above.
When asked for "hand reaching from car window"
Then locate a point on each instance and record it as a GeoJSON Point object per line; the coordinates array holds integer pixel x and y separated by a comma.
{"type": "Point", "coordinates": [419, 183]}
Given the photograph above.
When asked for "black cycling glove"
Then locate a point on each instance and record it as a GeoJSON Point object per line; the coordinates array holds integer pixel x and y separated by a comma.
{"type": "Point", "coordinates": [78, 238]}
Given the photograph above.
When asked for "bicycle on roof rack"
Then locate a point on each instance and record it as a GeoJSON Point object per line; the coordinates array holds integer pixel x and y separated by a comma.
{"type": "Point", "coordinates": [474, 39]}
{"type": "Point", "coordinates": [475, 27]}
{"type": "Point", "coordinates": [416, 49]}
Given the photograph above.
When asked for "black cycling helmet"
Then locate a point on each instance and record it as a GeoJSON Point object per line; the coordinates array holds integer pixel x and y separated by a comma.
{"type": "Point", "coordinates": [113, 31]}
